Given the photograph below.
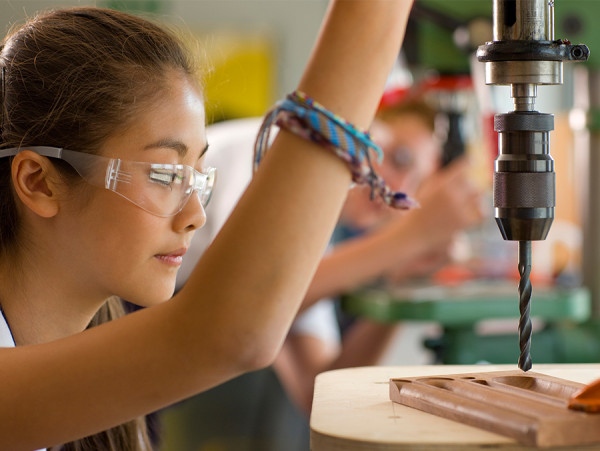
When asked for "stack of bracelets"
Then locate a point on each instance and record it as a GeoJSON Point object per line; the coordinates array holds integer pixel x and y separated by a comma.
{"type": "Point", "coordinates": [305, 117]}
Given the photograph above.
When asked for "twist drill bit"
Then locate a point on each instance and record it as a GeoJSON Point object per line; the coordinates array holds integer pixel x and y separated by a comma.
{"type": "Point", "coordinates": [524, 304]}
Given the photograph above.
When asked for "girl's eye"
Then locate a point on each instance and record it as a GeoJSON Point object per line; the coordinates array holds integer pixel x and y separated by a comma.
{"type": "Point", "coordinates": [163, 176]}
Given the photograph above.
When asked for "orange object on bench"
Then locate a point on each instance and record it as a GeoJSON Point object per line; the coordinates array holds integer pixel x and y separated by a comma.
{"type": "Point", "coordinates": [587, 399]}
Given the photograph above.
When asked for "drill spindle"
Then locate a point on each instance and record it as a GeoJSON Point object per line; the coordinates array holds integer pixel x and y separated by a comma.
{"type": "Point", "coordinates": [524, 305]}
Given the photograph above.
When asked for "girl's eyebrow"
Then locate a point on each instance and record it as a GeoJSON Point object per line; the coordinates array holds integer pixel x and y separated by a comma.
{"type": "Point", "coordinates": [170, 143]}
{"type": "Point", "coordinates": [174, 144]}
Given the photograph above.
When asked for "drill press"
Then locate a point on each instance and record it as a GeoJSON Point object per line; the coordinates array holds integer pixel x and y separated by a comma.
{"type": "Point", "coordinates": [524, 54]}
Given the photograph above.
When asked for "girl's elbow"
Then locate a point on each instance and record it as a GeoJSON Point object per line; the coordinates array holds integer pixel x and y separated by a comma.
{"type": "Point", "coordinates": [256, 354]}
{"type": "Point", "coordinates": [261, 357]}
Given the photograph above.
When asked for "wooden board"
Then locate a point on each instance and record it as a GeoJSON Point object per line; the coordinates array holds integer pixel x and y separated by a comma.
{"type": "Point", "coordinates": [528, 407]}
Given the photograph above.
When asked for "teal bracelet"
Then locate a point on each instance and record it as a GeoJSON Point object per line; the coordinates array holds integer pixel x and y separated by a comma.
{"type": "Point", "coordinates": [303, 116]}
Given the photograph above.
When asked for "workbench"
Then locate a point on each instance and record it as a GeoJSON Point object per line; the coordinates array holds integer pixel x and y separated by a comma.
{"type": "Point", "coordinates": [564, 337]}
{"type": "Point", "coordinates": [352, 411]}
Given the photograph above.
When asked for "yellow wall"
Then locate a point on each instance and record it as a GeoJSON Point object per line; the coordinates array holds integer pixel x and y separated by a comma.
{"type": "Point", "coordinates": [241, 76]}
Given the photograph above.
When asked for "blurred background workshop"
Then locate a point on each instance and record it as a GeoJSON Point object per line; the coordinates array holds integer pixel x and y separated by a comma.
{"type": "Point", "coordinates": [447, 287]}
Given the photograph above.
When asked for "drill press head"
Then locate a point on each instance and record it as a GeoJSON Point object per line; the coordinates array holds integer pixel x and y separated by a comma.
{"type": "Point", "coordinates": [524, 55]}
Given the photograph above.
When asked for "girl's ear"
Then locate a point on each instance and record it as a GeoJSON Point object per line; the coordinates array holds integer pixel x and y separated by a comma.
{"type": "Point", "coordinates": [34, 180]}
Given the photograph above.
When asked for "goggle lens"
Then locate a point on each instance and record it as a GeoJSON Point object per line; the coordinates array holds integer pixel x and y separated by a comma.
{"type": "Point", "coordinates": [160, 189]}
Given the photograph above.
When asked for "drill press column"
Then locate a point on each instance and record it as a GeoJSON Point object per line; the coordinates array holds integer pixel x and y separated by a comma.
{"type": "Point", "coordinates": [523, 55]}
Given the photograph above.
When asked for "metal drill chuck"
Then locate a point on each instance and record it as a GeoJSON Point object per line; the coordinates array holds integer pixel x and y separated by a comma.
{"type": "Point", "coordinates": [524, 195]}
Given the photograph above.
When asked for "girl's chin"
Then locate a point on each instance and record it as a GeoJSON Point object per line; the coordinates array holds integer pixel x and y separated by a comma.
{"type": "Point", "coordinates": [156, 297]}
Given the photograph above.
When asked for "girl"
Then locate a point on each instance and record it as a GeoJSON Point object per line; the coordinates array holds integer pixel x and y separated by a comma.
{"type": "Point", "coordinates": [102, 188]}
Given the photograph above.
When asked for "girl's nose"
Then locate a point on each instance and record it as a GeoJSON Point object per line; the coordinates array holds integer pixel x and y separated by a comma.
{"type": "Point", "coordinates": [192, 216]}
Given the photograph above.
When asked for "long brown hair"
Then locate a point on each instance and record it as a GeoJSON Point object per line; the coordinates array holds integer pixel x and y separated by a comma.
{"type": "Point", "coordinates": [72, 78]}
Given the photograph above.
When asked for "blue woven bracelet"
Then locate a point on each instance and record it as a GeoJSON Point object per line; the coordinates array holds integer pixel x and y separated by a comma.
{"type": "Point", "coordinates": [305, 117]}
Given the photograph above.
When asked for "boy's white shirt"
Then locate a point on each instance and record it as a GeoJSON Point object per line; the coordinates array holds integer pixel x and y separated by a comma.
{"type": "Point", "coordinates": [6, 339]}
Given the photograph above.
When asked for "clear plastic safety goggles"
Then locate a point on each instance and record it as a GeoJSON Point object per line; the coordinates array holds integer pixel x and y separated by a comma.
{"type": "Point", "coordinates": [160, 189]}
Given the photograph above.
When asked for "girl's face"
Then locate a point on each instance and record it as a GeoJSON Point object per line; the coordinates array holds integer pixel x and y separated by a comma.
{"type": "Point", "coordinates": [115, 247]}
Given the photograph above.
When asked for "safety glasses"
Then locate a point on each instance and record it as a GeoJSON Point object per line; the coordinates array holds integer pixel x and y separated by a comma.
{"type": "Point", "coordinates": [160, 189]}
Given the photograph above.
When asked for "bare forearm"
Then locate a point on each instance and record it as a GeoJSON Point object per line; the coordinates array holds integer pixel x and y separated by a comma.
{"type": "Point", "coordinates": [361, 260]}
{"type": "Point", "coordinates": [274, 239]}
{"type": "Point", "coordinates": [449, 204]}
{"type": "Point", "coordinates": [366, 50]}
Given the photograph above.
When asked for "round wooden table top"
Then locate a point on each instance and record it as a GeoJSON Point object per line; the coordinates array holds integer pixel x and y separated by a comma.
{"type": "Point", "coordinates": [352, 411]}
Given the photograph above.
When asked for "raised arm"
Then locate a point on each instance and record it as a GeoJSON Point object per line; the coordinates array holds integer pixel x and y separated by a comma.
{"type": "Point", "coordinates": [275, 238]}
{"type": "Point", "coordinates": [235, 309]}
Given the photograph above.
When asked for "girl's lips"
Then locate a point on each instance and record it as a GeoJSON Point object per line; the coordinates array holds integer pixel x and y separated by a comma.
{"type": "Point", "coordinates": [173, 258]}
